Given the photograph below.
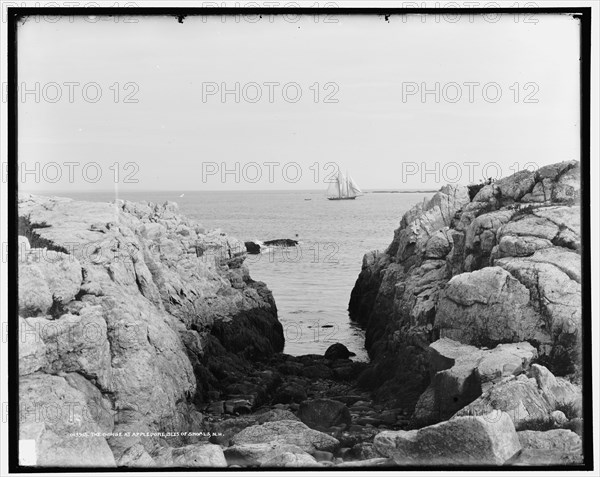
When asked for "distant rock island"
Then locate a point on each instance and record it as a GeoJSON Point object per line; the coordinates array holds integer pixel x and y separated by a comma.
{"type": "Point", "coordinates": [394, 191]}
{"type": "Point", "coordinates": [150, 329]}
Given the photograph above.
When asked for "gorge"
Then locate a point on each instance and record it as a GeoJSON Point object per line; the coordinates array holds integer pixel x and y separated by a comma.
{"type": "Point", "coordinates": [148, 336]}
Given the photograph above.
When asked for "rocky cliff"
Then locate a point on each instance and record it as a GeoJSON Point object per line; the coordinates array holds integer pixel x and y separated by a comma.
{"type": "Point", "coordinates": [131, 316]}
{"type": "Point", "coordinates": [144, 342]}
{"type": "Point", "coordinates": [481, 266]}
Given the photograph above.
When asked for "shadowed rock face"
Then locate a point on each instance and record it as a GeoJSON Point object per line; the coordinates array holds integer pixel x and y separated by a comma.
{"type": "Point", "coordinates": [133, 310]}
{"type": "Point", "coordinates": [502, 266]}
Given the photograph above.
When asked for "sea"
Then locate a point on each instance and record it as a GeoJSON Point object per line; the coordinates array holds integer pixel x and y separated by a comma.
{"type": "Point", "coordinates": [311, 282]}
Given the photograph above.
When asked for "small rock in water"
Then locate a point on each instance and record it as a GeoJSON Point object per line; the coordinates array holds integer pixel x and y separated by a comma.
{"type": "Point", "coordinates": [338, 351]}
{"type": "Point", "coordinates": [281, 243]}
{"type": "Point", "coordinates": [252, 248]}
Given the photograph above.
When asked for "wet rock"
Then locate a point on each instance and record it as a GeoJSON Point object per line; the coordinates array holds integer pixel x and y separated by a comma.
{"type": "Point", "coordinates": [318, 371]}
{"type": "Point", "coordinates": [365, 451]}
{"type": "Point", "coordinates": [281, 243]}
{"type": "Point", "coordinates": [289, 393]}
{"type": "Point", "coordinates": [338, 351]}
{"type": "Point", "coordinates": [349, 400]}
{"type": "Point", "coordinates": [357, 435]}
{"type": "Point", "coordinates": [217, 408]}
{"type": "Point", "coordinates": [276, 415]}
{"type": "Point", "coordinates": [489, 439]}
{"type": "Point", "coordinates": [324, 413]}
{"type": "Point", "coordinates": [252, 248]}
{"type": "Point", "coordinates": [238, 406]}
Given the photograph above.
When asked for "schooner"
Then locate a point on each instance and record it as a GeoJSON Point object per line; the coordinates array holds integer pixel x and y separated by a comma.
{"type": "Point", "coordinates": [343, 188]}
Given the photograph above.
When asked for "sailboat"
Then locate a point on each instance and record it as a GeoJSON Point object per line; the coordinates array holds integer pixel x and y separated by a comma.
{"type": "Point", "coordinates": [343, 188]}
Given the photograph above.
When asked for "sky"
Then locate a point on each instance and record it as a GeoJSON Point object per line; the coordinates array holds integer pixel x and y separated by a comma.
{"type": "Point", "coordinates": [137, 103]}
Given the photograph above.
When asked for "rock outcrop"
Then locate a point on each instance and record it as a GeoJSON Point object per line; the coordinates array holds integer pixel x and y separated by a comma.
{"type": "Point", "coordinates": [487, 265]}
{"type": "Point", "coordinates": [484, 440]}
{"type": "Point", "coordinates": [460, 373]}
{"type": "Point", "coordinates": [287, 432]}
{"type": "Point", "coordinates": [131, 316]}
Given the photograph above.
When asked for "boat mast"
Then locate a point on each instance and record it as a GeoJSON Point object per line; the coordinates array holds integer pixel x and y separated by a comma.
{"type": "Point", "coordinates": [347, 184]}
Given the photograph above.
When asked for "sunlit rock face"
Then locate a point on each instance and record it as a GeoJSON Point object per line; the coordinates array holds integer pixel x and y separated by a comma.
{"type": "Point", "coordinates": [481, 265]}
{"type": "Point", "coordinates": [127, 311]}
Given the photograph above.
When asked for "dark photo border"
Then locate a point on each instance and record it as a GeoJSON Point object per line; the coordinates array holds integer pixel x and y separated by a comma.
{"type": "Point", "coordinates": [14, 17]}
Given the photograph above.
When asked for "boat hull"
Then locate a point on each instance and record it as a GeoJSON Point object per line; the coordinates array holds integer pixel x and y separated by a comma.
{"type": "Point", "coordinates": [341, 198]}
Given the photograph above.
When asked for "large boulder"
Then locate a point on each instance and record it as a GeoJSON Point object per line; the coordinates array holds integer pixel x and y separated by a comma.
{"type": "Point", "coordinates": [251, 455]}
{"type": "Point", "coordinates": [195, 455]}
{"type": "Point", "coordinates": [553, 447]}
{"type": "Point", "coordinates": [460, 373]}
{"type": "Point", "coordinates": [483, 440]}
{"type": "Point", "coordinates": [324, 413]}
{"type": "Point", "coordinates": [487, 307]}
{"type": "Point", "coordinates": [529, 401]}
{"type": "Point", "coordinates": [555, 439]}
{"type": "Point", "coordinates": [287, 432]}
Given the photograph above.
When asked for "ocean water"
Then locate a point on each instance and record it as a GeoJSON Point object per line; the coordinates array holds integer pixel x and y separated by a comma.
{"type": "Point", "coordinates": [311, 283]}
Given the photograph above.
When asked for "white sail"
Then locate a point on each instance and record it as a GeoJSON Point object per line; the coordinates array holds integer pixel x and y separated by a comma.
{"type": "Point", "coordinates": [343, 184]}
{"type": "Point", "coordinates": [338, 187]}
{"type": "Point", "coordinates": [343, 187]}
{"type": "Point", "coordinates": [334, 189]}
{"type": "Point", "coordinates": [353, 189]}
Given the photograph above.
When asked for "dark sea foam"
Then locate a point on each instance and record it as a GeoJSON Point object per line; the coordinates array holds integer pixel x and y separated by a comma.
{"type": "Point", "coordinates": [312, 282]}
